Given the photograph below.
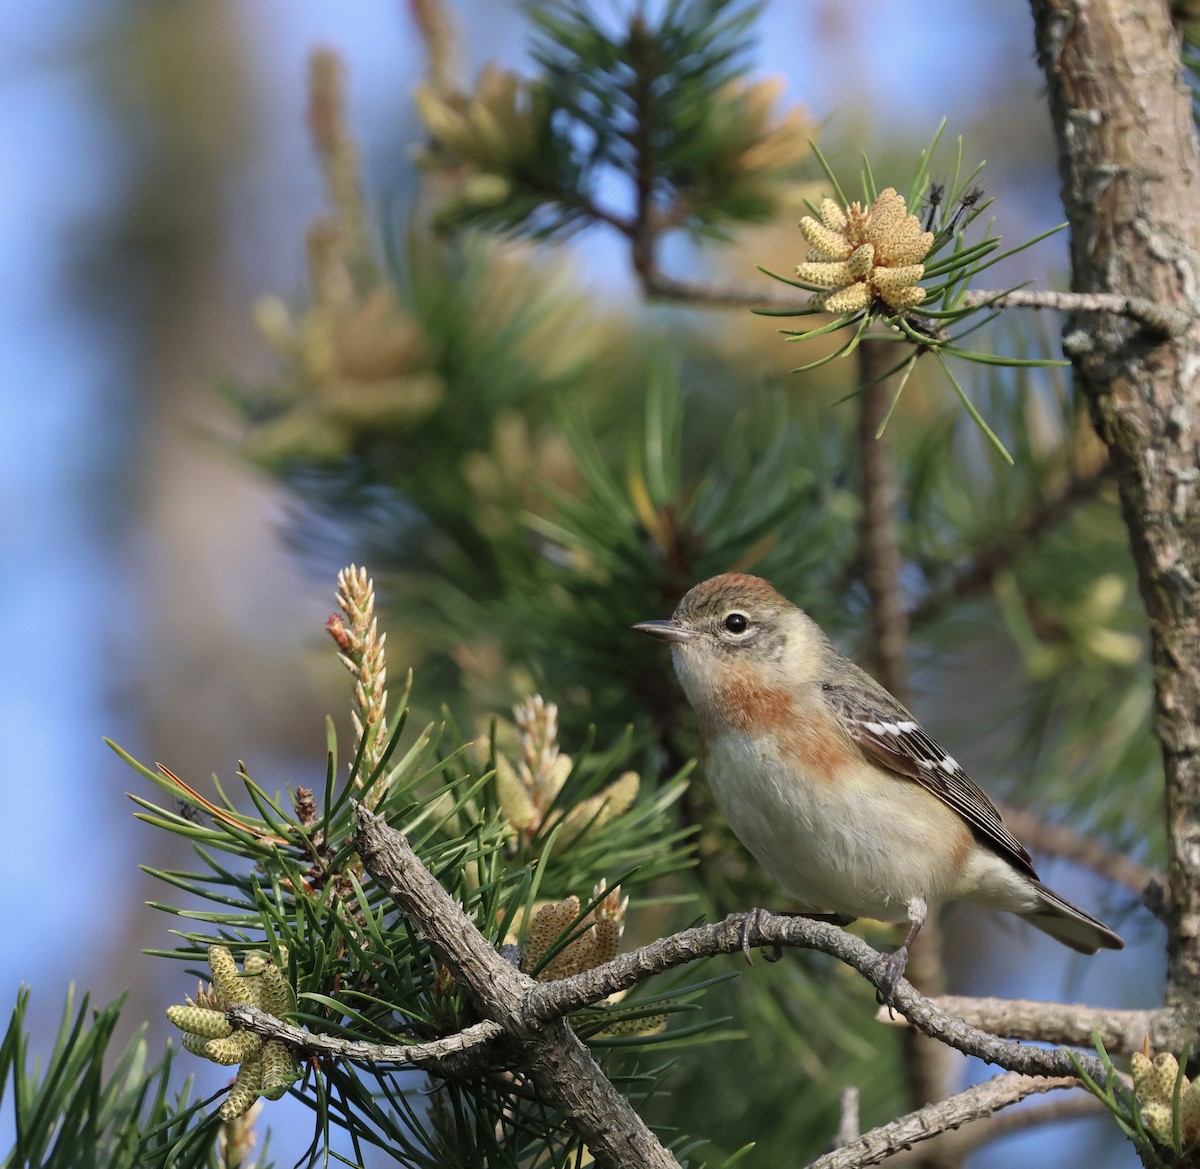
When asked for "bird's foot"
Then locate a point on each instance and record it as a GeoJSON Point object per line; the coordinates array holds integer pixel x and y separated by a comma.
{"type": "Point", "coordinates": [889, 970]}
{"type": "Point", "coordinates": [750, 922]}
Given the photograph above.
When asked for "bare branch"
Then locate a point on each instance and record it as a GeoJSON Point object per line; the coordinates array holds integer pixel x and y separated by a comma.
{"type": "Point", "coordinates": [1071, 1023]}
{"type": "Point", "coordinates": [1162, 319]}
{"type": "Point", "coordinates": [848, 1129]}
{"type": "Point", "coordinates": [974, 1104]}
{"type": "Point", "coordinates": [549, 1000]}
{"type": "Point", "coordinates": [964, 1141]}
{"type": "Point", "coordinates": [469, 1051]}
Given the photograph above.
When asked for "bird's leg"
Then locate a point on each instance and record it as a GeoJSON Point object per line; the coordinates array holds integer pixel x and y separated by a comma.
{"type": "Point", "coordinates": [751, 921]}
{"type": "Point", "coordinates": [892, 965]}
{"type": "Point", "coordinates": [754, 917]}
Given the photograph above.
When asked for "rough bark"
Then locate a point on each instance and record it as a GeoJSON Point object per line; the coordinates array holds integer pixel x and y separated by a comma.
{"type": "Point", "coordinates": [1131, 176]}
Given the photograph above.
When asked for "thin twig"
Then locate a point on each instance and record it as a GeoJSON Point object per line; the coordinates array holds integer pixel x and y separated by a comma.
{"type": "Point", "coordinates": [848, 1129]}
{"type": "Point", "coordinates": [1159, 318]}
{"type": "Point", "coordinates": [974, 1104]}
{"type": "Point", "coordinates": [467, 1052]}
{"type": "Point", "coordinates": [1122, 1031]}
{"type": "Point", "coordinates": [1170, 322]}
{"type": "Point", "coordinates": [965, 1141]}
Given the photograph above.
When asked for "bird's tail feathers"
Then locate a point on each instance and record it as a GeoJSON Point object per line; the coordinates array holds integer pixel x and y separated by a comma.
{"type": "Point", "coordinates": [1069, 924]}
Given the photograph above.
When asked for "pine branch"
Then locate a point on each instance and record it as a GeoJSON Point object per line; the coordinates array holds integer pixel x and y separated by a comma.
{"type": "Point", "coordinates": [560, 1066]}
{"type": "Point", "coordinates": [1158, 318]}
{"type": "Point", "coordinates": [764, 930]}
{"type": "Point", "coordinates": [467, 1052]}
{"type": "Point", "coordinates": [1122, 1031]}
{"type": "Point", "coordinates": [976, 1103]}
{"type": "Point", "coordinates": [965, 1141]}
{"type": "Point", "coordinates": [973, 1025]}
{"type": "Point", "coordinates": [528, 1018]}
{"type": "Point", "coordinates": [529, 1011]}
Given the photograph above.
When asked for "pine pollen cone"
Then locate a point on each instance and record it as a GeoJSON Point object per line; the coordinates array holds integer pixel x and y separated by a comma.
{"type": "Point", "coordinates": [862, 255]}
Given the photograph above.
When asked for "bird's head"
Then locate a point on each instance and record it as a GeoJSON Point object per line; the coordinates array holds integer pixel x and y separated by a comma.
{"type": "Point", "coordinates": [738, 628]}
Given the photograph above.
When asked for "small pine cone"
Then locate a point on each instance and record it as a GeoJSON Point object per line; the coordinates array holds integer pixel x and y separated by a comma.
{"type": "Point", "coordinates": [1189, 1112]}
{"type": "Point", "coordinates": [243, 1093]}
{"type": "Point", "coordinates": [888, 279]}
{"type": "Point", "coordinates": [200, 1021]}
{"type": "Point", "coordinates": [254, 963]}
{"type": "Point", "coordinates": [196, 1044]}
{"type": "Point", "coordinates": [861, 261]}
{"type": "Point", "coordinates": [888, 210]}
{"type": "Point", "coordinates": [600, 808]}
{"type": "Point", "coordinates": [606, 942]}
{"type": "Point", "coordinates": [548, 925]}
{"type": "Point", "coordinates": [1160, 1086]}
{"type": "Point", "coordinates": [275, 992]}
{"type": "Point", "coordinates": [514, 798]}
{"type": "Point", "coordinates": [829, 245]}
{"type": "Point", "coordinates": [237, 1048]}
{"type": "Point", "coordinates": [850, 299]}
{"type": "Point", "coordinates": [1157, 1119]}
{"type": "Point", "coordinates": [832, 216]}
{"type": "Point", "coordinates": [278, 1070]}
{"type": "Point", "coordinates": [903, 298]}
{"type": "Point", "coordinates": [228, 983]}
{"type": "Point", "coordinates": [826, 275]}
{"type": "Point", "coordinates": [1141, 1069]}
{"type": "Point", "coordinates": [571, 960]}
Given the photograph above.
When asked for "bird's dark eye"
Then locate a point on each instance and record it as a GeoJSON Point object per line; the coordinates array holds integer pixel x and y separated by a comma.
{"type": "Point", "coordinates": [737, 622]}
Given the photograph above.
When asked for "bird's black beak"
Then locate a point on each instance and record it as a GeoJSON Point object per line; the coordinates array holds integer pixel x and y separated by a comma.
{"type": "Point", "coordinates": [665, 630]}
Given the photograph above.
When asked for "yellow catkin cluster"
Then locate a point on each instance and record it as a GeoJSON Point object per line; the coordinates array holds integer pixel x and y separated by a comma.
{"type": "Point", "coordinates": [358, 362]}
{"type": "Point", "coordinates": [362, 650]}
{"type": "Point", "coordinates": [598, 942]}
{"type": "Point", "coordinates": [265, 1068]}
{"type": "Point", "coordinates": [490, 131]}
{"type": "Point", "coordinates": [1154, 1086]}
{"type": "Point", "coordinates": [865, 254]}
{"type": "Point", "coordinates": [527, 790]}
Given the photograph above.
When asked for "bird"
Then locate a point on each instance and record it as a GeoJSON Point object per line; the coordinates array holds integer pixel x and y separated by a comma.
{"type": "Point", "coordinates": [834, 786]}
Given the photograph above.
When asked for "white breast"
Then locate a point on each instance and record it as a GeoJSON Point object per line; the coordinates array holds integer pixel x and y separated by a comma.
{"type": "Point", "coordinates": [864, 846]}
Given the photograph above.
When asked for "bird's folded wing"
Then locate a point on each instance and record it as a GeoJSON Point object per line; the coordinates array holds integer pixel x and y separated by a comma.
{"type": "Point", "coordinates": [902, 745]}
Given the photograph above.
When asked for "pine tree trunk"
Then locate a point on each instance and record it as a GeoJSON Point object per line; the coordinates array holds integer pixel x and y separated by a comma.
{"type": "Point", "coordinates": [1131, 183]}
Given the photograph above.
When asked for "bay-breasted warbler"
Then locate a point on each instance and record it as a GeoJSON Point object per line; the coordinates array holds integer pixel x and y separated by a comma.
{"type": "Point", "coordinates": [833, 785]}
